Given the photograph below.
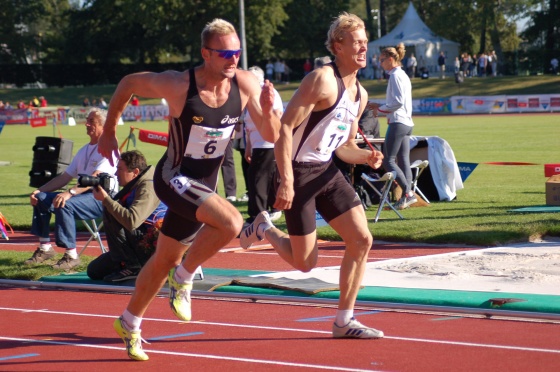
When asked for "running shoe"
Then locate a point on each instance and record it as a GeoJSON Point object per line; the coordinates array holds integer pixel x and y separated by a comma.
{"type": "Point", "coordinates": [67, 263]}
{"type": "Point", "coordinates": [122, 275]}
{"type": "Point", "coordinates": [276, 215]}
{"type": "Point", "coordinates": [180, 297]}
{"type": "Point", "coordinates": [355, 329]}
{"type": "Point", "coordinates": [132, 341]}
{"type": "Point", "coordinates": [250, 234]}
{"type": "Point", "coordinates": [40, 256]}
{"type": "Point", "coordinates": [405, 202]}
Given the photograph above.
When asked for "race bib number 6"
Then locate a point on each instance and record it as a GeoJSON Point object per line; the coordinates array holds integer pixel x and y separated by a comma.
{"type": "Point", "coordinates": [207, 143]}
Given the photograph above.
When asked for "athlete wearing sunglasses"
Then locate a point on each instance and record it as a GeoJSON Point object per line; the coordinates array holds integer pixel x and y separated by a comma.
{"type": "Point", "coordinates": [205, 104]}
{"type": "Point", "coordinates": [225, 53]}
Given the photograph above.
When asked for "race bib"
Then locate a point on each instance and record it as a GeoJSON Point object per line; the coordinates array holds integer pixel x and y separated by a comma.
{"type": "Point", "coordinates": [335, 135]}
{"type": "Point", "coordinates": [180, 184]}
{"type": "Point", "coordinates": [207, 143]}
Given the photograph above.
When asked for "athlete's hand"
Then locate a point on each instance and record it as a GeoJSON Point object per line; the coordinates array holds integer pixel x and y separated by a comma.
{"type": "Point", "coordinates": [375, 159]}
{"type": "Point", "coordinates": [107, 146]}
{"type": "Point", "coordinates": [267, 97]}
{"type": "Point", "coordinates": [284, 196]}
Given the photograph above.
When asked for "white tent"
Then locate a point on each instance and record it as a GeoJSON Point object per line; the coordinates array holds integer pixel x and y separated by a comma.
{"type": "Point", "coordinates": [418, 39]}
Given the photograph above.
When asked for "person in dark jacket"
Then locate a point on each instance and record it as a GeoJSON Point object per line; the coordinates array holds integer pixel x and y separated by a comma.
{"type": "Point", "coordinates": [127, 219]}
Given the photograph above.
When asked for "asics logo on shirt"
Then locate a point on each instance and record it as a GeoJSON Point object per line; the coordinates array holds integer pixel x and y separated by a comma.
{"type": "Point", "coordinates": [228, 120]}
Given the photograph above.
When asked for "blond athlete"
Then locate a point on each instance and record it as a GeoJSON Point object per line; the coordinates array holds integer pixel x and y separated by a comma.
{"type": "Point", "coordinates": [205, 103]}
{"type": "Point", "coordinates": [320, 119]}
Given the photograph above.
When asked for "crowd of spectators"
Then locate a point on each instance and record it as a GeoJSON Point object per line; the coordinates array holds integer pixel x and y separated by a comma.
{"type": "Point", "coordinates": [34, 102]}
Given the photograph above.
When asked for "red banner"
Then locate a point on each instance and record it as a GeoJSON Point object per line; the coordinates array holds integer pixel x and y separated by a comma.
{"type": "Point", "coordinates": [38, 122]}
{"type": "Point", "coordinates": [157, 138]}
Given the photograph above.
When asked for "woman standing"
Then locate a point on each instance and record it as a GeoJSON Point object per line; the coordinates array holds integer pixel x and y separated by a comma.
{"type": "Point", "coordinates": [398, 108]}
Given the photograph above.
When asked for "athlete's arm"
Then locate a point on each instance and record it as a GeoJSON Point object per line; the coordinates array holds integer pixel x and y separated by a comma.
{"type": "Point", "coordinates": [171, 85]}
{"type": "Point", "coordinates": [260, 103]}
{"type": "Point", "coordinates": [349, 152]}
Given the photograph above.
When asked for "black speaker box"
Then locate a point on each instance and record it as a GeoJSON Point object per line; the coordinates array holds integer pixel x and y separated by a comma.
{"type": "Point", "coordinates": [53, 149]}
{"type": "Point", "coordinates": [42, 172]}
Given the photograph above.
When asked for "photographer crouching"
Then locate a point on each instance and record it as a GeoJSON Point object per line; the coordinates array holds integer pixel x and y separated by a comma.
{"type": "Point", "coordinates": [127, 218]}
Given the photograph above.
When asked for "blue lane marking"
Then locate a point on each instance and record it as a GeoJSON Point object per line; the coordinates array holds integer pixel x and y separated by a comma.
{"type": "Point", "coordinates": [175, 336]}
{"type": "Point", "coordinates": [19, 356]}
{"type": "Point", "coordinates": [329, 318]}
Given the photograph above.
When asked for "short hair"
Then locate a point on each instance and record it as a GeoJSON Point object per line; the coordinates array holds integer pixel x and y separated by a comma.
{"type": "Point", "coordinates": [100, 113]}
{"type": "Point", "coordinates": [134, 159]}
{"type": "Point", "coordinates": [216, 27]}
{"type": "Point", "coordinates": [258, 72]}
{"type": "Point", "coordinates": [397, 52]}
{"type": "Point", "coordinates": [345, 22]}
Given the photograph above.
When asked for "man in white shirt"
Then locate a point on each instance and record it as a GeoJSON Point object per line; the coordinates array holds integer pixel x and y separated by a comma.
{"type": "Point", "coordinates": [74, 203]}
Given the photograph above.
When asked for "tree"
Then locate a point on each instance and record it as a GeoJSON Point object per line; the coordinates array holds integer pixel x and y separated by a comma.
{"type": "Point", "coordinates": [304, 33]}
{"type": "Point", "coordinates": [21, 30]}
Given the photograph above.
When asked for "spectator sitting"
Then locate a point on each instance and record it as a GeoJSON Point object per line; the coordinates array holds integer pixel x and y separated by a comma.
{"type": "Point", "coordinates": [75, 203]}
{"type": "Point", "coordinates": [85, 102]}
{"type": "Point", "coordinates": [135, 101]}
{"type": "Point", "coordinates": [127, 218]}
{"type": "Point", "coordinates": [21, 105]}
{"type": "Point", "coordinates": [7, 106]}
{"type": "Point", "coordinates": [35, 102]}
{"type": "Point", "coordinates": [1, 105]}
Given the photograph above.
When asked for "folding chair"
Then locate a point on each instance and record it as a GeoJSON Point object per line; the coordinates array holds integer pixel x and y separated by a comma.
{"type": "Point", "coordinates": [387, 180]}
{"type": "Point", "coordinates": [94, 230]}
{"type": "Point", "coordinates": [418, 168]}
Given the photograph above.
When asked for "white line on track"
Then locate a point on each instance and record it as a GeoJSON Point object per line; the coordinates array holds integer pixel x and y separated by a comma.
{"type": "Point", "coordinates": [409, 339]}
{"type": "Point", "coordinates": [192, 355]}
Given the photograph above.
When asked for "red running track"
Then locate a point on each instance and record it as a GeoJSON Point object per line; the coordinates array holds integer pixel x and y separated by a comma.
{"type": "Point", "coordinates": [44, 330]}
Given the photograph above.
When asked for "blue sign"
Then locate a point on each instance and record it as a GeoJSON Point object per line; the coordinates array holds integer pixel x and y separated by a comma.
{"type": "Point", "coordinates": [466, 169]}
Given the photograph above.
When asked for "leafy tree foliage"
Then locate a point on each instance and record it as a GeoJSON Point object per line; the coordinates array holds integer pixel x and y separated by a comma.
{"type": "Point", "coordinates": [140, 31]}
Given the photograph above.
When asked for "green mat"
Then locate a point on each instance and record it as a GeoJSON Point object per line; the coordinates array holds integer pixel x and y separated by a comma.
{"type": "Point", "coordinates": [537, 209]}
{"type": "Point", "coordinates": [214, 279]}
{"type": "Point", "coordinates": [241, 282]}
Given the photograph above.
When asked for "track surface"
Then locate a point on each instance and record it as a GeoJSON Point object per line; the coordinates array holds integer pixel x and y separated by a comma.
{"type": "Point", "coordinates": [46, 330]}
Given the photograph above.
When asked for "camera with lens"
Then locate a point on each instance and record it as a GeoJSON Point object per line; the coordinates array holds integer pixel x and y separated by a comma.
{"type": "Point", "coordinates": [102, 179]}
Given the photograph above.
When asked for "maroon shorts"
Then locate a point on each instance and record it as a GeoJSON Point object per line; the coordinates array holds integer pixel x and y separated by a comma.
{"type": "Point", "coordinates": [318, 187]}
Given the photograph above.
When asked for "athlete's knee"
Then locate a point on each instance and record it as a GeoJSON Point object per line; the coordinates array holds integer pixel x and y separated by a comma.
{"type": "Point", "coordinates": [233, 225]}
{"type": "Point", "coordinates": [361, 242]}
{"type": "Point", "coordinates": [307, 265]}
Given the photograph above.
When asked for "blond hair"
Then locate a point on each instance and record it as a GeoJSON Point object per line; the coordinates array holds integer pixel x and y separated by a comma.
{"type": "Point", "coordinates": [397, 52]}
{"type": "Point", "coordinates": [344, 23]}
{"type": "Point", "coordinates": [216, 27]}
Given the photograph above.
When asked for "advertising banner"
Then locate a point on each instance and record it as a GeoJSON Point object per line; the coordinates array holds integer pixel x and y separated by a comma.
{"type": "Point", "coordinates": [14, 116]}
{"type": "Point", "coordinates": [478, 104]}
{"type": "Point", "coordinates": [431, 106]}
{"type": "Point", "coordinates": [150, 136]}
{"type": "Point", "coordinates": [145, 113]}
{"type": "Point", "coordinates": [38, 122]}
{"type": "Point", "coordinates": [533, 103]}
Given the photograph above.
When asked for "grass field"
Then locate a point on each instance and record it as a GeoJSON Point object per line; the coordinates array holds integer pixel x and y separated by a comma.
{"type": "Point", "coordinates": [479, 216]}
{"type": "Point", "coordinates": [433, 87]}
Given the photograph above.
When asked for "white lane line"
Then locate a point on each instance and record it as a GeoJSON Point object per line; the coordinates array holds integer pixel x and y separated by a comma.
{"type": "Point", "coordinates": [410, 339]}
{"type": "Point", "coordinates": [192, 355]}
